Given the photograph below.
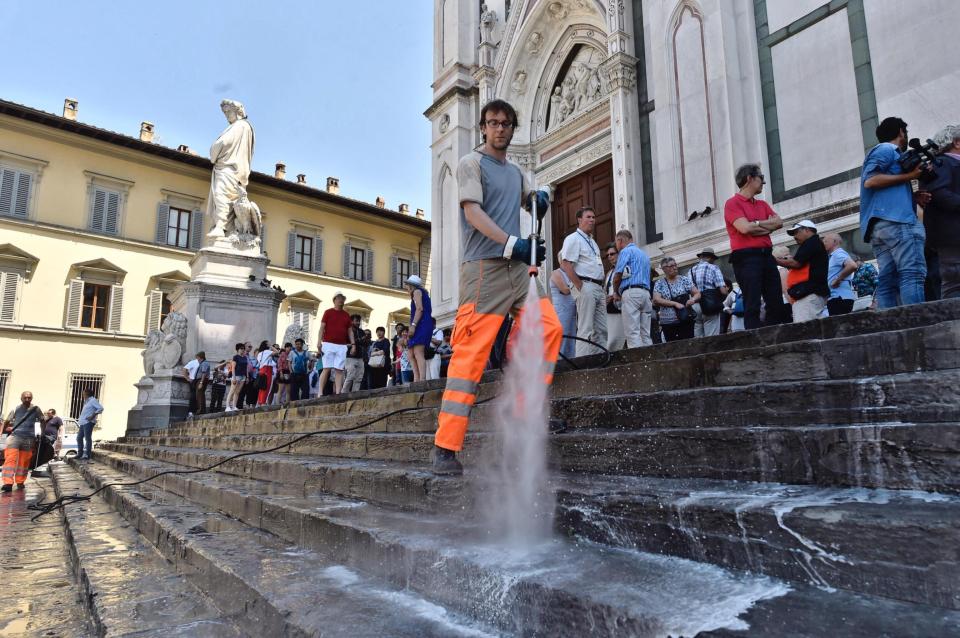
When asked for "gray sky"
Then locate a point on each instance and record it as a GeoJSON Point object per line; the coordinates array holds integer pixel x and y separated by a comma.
{"type": "Point", "coordinates": [332, 88]}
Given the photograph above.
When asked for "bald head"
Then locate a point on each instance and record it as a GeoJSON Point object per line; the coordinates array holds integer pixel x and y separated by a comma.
{"type": "Point", "coordinates": [831, 241]}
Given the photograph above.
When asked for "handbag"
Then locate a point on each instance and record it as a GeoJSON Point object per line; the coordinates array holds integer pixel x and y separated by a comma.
{"type": "Point", "coordinates": [685, 314]}
{"type": "Point", "coordinates": [711, 302]}
{"type": "Point", "coordinates": [378, 359]}
{"type": "Point", "coordinates": [262, 382]}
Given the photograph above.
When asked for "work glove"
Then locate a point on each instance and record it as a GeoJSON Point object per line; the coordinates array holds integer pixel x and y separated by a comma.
{"type": "Point", "coordinates": [518, 249]}
{"type": "Point", "coordinates": [542, 199]}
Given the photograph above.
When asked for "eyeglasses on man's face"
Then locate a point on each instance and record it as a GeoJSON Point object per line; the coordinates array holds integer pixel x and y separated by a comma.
{"type": "Point", "coordinates": [612, 255]}
{"type": "Point", "coordinates": [499, 124]}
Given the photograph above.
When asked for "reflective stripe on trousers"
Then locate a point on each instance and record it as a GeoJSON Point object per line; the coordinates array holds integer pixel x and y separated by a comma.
{"type": "Point", "coordinates": [16, 464]}
{"type": "Point", "coordinates": [473, 338]}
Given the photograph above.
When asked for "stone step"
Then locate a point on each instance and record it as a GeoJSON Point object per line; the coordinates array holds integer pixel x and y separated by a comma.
{"type": "Point", "coordinates": [898, 544]}
{"type": "Point", "coordinates": [751, 526]}
{"type": "Point", "coordinates": [895, 455]}
{"type": "Point", "coordinates": [151, 600]}
{"type": "Point", "coordinates": [829, 328]}
{"type": "Point", "coordinates": [906, 397]}
{"type": "Point", "coordinates": [911, 349]}
{"type": "Point", "coordinates": [273, 587]}
{"type": "Point", "coordinates": [554, 588]}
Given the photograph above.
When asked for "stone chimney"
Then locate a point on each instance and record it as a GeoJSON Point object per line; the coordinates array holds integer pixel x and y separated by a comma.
{"type": "Point", "coordinates": [183, 148]}
{"type": "Point", "coordinates": [70, 108]}
{"type": "Point", "coordinates": [381, 202]}
{"type": "Point", "coordinates": [405, 209]}
{"type": "Point", "coordinates": [146, 132]}
{"type": "Point", "coordinates": [333, 185]}
{"type": "Point", "coordinates": [302, 178]}
{"type": "Point", "coordinates": [280, 171]}
{"type": "Point", "coordinates": [419, 213]}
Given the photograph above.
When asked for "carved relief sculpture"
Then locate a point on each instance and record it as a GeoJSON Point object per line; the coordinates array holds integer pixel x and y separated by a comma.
{"type": "Point", "coordinates": [444, 122]}
{"type": "Point", "coordinates": [519, 84]}
{"type": "Point", "coordinates": [174, 330]}
{"type": "Point", "coordinates": [534, 42]}
{"type": "Point", "coordinates": [581, 88]}
{"type": "Point", "coordinates": [295, 331]}
{"type": "Point", "coordinates": [557, 10]}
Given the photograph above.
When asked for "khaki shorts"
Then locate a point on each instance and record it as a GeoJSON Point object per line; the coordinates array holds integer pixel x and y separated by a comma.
{"type": "Point", "coordinates": [496, 286]}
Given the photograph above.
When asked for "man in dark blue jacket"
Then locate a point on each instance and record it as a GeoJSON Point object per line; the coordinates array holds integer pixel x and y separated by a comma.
{"type": "Point", "coordinates": [941, 216]}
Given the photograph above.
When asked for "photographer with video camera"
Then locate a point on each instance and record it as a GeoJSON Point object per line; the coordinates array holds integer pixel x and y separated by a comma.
{"type": "Point", "coordinates": [941, 216]}
{"type": "Point", "coordinates": [888, 217]}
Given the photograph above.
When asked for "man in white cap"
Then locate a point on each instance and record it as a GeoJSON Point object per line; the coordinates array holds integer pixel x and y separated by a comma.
{"type": "Point", "coordinates": [810, 292]}
{"type": "Point", "coordinates": [335, 338]}
{"type": "Point", "coordinates": [708, 278]}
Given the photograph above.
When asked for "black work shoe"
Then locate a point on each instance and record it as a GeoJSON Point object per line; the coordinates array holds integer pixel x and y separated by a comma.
{"type": "Point", "coordinates": [21, 486]}
{"type": "Point", "coordinates": [445, 462]}
{"type": "Point", "coordinates": [7, 488]}
{"type": "Point", "coordinates": [556, 426]}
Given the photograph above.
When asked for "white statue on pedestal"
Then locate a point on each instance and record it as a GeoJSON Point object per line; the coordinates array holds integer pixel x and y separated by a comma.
{"type": "Point", "coordinates": [236, 218]}
{"type": "Point", "coordinates": [165, 346]}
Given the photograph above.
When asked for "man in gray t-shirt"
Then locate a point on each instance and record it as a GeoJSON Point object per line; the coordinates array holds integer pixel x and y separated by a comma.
{"type": "Point", "coordinates": [494, 276]}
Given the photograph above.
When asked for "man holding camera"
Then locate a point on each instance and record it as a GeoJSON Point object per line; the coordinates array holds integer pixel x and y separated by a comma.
{"type": "Point", "coordinates": [888, 217]}
{"type": "Point", "coordinates": [941, 216]}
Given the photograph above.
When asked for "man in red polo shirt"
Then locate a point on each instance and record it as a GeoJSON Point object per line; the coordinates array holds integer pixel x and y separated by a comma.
{"type": "Point", "coordinates": [336, 341]}
{"type": "Point", "coordinates": [750, 222]}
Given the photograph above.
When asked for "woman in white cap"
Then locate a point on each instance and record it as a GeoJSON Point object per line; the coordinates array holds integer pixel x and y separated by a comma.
{"type": "Point", "coordinates": [421, 326]}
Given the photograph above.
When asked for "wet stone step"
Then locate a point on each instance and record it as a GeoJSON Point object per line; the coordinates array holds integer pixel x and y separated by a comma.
{"type": "Point", "coordinates": [128, 587]}
{"type": "Point", "coordinates": [554, 588]}
{"type": "Point", "coordinates": [41, 597]}
{"type": "Point", "coordinates": [897, 455]}
{"type": "Point", "coordinates": [273, 587]}
{"type": "Point", "coordinates": [897, 544]}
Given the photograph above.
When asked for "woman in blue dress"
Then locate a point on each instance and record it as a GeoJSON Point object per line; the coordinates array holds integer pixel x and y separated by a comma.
{"type": "Point", "coordinates": [421, 327]}
{"type": "Point", "coordinates": [566, 309]}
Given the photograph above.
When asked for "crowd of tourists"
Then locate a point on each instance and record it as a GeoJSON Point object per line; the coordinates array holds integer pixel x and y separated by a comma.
{"type": "Point", "coordinates": [631, 304]}
{"type": "Point", "coordinates": [349, 358]}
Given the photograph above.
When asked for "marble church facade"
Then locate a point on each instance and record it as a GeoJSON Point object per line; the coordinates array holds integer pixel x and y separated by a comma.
{"type": "Point", "coordinates": [645, 108]}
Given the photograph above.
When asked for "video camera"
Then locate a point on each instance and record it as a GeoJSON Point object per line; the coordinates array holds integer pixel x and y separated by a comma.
{"type": "Point", "coordinates": [923, 155]}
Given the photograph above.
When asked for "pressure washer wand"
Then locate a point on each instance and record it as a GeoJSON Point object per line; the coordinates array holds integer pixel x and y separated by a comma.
{"type": "Point", "coordinates": [535, 227]}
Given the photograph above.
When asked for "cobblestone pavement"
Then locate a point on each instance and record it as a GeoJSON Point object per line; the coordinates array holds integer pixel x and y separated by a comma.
{"type": "Point", "coordinates": [40, 596]}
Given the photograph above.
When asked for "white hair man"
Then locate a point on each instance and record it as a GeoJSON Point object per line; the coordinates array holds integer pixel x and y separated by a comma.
{"type": "Point", "coordinates": [840, 269]}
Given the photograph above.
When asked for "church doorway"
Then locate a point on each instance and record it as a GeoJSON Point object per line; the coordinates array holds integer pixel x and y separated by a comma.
{"type": "Point", "coordinates": [594, 188]}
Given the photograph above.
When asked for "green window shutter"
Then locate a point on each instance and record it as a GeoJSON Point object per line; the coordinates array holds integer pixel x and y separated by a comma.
{"type": "Point", "coordinates": [318, 254]}
{"type": "Point", "coordinates": [99, 212]}
{"type": "Point", "coordinates": [154, 308]}
{"type": "Point", "coordinates": [368, 266]}
{"type": "Point", "coordinates": [291, 248]}
{"type": "Point", "coordinates": [163, 220]}
{"type": "Point", "coordinates": [9, 286]}
{"type": "Point", "coordinates": [22, 195]}
{"type": "Point", "coordinates": [8, 178]}
{"type": "Point", "coordinates": [74, 299]}
{"type": "Point", "coordinates": [112, 221]}
{"type": "Point", "coordinates": [394, 270]}
{"type": "Point", "coordinates": [415, 268]}
{"type": "Point", "coordinates": [346, 260]}
{"type": "Point", "coordinates": [116, 308]}
{"type": "Point", "coordinates": [196, 229]}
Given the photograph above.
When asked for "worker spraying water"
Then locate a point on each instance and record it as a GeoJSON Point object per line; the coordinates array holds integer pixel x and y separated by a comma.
{"type": "Point", "coordinates": [494, 281]}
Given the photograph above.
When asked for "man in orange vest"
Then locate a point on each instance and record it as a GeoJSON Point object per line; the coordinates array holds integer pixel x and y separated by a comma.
{"type": "Point", "coordinates": [494, 275]}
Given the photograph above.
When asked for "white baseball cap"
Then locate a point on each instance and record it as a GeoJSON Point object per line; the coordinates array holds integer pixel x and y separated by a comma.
{"type": "Point", "coordinates": [805, 223]}
{"type": "Point", "coordinates": [415, 280]}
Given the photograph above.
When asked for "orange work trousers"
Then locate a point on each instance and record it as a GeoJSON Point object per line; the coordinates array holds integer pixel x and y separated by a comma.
{"type": "Point", "coordinates": [489, 289]}
{"type": "Point", "coordinates": [16, 462]}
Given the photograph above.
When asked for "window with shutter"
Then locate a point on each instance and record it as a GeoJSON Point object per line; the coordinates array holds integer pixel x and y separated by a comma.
{"type": "Point", "coordinates": [415, 268]}
{"type": "Point", "coordinates": [93, 306]}
{"type": "Point", "coordinates": [105, 216]}
{"type": "Point", "coordinates": [178, 227]}
{"type": "Point", "coordinates": [9, 287]}
{"type": "Point", "coordinates": [291, 248]}
{"type": "Point", "coordinates": [15, 187]}
{"type": "Point", "coordinates": [403, 271]}
{"type": "Point", "coordinates": [74, 302]}
{"type": "Point", "coordinates": [358, 269]}
{"type": "Point", "coordinates": [301, 318]}
{"type": "Point", "coordinates": [368, 275]}
{"type": "Point", "coordinates": [116, 308]}
{"type": "Point", "coordinates": [394, 271]}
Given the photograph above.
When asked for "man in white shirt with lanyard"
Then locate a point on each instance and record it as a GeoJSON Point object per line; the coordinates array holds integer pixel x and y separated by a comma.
{"type": "Point", "coordinates": [582, 262]}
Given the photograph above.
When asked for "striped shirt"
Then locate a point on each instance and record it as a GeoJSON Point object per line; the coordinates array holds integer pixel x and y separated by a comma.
{"type": "Point", "coordinates": [706, 275]}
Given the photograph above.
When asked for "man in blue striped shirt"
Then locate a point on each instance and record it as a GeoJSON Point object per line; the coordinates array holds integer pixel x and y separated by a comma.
{"type": "Point", "coordinates": [631, 285]}
{"type": "Point", "coordinates": [707, 276]}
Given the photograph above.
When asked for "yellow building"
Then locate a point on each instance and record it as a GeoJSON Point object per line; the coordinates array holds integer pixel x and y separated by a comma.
{"type": "Point", "coordinates": [97, 228]}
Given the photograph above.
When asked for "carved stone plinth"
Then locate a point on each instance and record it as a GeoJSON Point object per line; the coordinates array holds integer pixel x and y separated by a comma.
{"type": "Point", "coordinates": [222, 316]}
{"type": "Point", "coordinates": [218, 265]}
{"type": "Point", "coordinates": [162, 398]}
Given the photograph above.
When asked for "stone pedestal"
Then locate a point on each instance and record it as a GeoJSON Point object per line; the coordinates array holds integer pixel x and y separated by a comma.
{"type": "Point", "coordinates": [162, 398]}
{"type": "Point", "coordinates": [226, 302]}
